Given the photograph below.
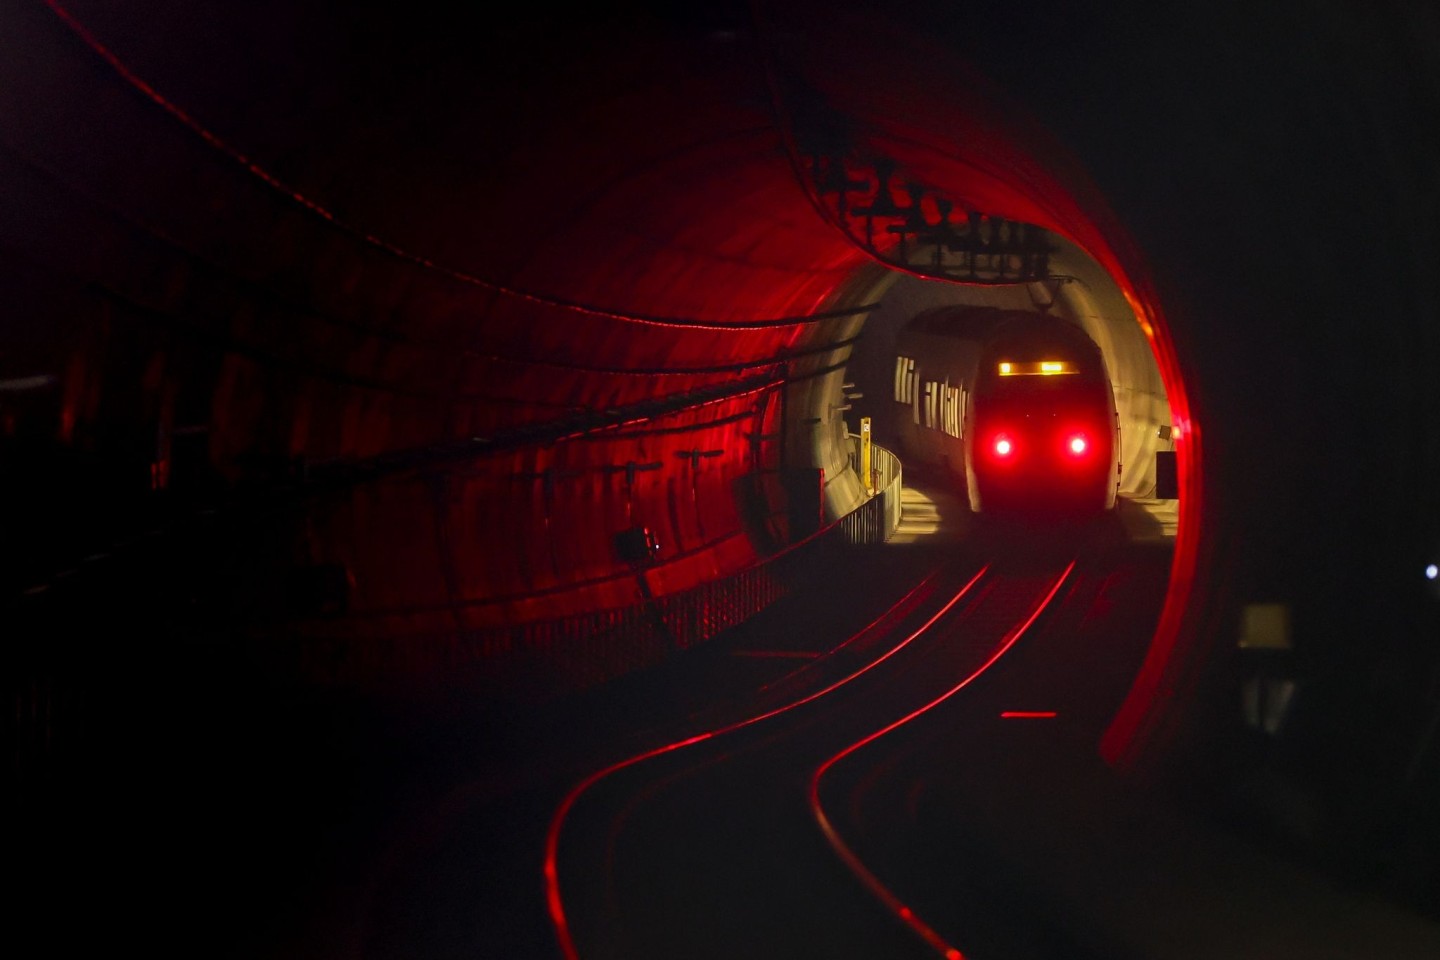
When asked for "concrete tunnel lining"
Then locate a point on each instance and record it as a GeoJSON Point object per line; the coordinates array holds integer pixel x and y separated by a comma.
{"type": "Point", "coordinates": [350, 325]}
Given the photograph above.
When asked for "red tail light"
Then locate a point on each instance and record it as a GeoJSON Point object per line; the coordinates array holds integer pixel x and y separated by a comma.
{"type": "Point", "coordinates": [1077, 445]}
{"type": "Point", "coordinates": [1004, 446]}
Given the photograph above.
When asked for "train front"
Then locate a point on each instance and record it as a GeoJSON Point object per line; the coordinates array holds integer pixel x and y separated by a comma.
{"type": "Point", "coordinates": [1044, 425]}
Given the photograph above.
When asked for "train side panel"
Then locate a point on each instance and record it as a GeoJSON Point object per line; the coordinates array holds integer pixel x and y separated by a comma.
{"type": "Point", "coordinates": [934, 380]}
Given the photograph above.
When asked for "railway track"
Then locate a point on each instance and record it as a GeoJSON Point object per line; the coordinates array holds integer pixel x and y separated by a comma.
{"type": "Point", "coordinates": [724, 843]}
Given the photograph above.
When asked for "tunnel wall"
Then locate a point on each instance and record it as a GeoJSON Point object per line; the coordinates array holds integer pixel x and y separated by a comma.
{"type": "Point", "coordinates": [471, 376]}
{"type": "Point", "coordinates": [445, 389]}
{"type": "Point", "coordinates": [1097, 304]}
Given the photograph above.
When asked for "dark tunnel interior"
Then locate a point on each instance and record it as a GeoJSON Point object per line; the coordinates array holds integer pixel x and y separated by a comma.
{"type": "Point", "coordinates": [363, 366]}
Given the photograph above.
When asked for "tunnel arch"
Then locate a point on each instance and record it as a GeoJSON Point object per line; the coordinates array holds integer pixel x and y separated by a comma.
{"type": "Point", "coordinates": [573, 325]}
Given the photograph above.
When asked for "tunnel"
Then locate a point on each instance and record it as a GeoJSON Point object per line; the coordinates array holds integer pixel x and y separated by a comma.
{"type": "Point", "coordinates": [373, 354]}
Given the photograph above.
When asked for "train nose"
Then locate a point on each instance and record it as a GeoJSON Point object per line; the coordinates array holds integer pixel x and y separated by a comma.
{"type": "Point", "coordinates": [1030, 452]}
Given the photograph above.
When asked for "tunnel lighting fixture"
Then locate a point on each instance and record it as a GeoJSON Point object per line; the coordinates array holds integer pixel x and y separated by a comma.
{"type": "Point", "coordinates": [631, 468]}
{"type": "Point", "coordinates": [1432, 571]}
{"type": "Point", "coordinates": [1041, 368]}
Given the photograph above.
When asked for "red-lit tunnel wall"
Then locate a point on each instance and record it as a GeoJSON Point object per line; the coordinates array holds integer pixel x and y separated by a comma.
{"type": "Point", "coordinates": [518, 288]}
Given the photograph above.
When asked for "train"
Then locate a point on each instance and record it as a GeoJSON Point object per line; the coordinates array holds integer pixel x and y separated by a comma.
{"type": "Point", "coordinates": [1016, 404]}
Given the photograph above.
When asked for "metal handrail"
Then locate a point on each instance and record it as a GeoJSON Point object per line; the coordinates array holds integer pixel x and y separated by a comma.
{"type": "Point", "coordinates": [584, 650]}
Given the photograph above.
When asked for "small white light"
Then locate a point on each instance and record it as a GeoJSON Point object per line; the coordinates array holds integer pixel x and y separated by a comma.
{"type": "Point", "coordinates": [1431, 572]}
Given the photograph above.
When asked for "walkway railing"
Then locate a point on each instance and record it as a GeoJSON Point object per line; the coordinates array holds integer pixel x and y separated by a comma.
{"type": "Point", "coordinates": [875, 519]}
{"type": "Point", "coordinates": [528, 663]}
{"type": "Point", "coordinates": [542, 659]}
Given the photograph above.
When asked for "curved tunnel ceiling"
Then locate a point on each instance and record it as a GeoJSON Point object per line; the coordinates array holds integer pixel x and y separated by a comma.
{"type": "Point", "coordinates": [410, 258]}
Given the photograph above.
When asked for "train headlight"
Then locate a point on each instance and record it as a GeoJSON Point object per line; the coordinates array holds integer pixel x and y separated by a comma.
{"type": "Point", "coordinates": [1035, 368]}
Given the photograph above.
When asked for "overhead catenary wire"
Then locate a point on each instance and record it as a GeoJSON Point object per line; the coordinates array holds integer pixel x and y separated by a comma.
{"type": "Point", "coordinates": [302, 200]}
{"type": "Point", "coordinates": [283, 302]}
